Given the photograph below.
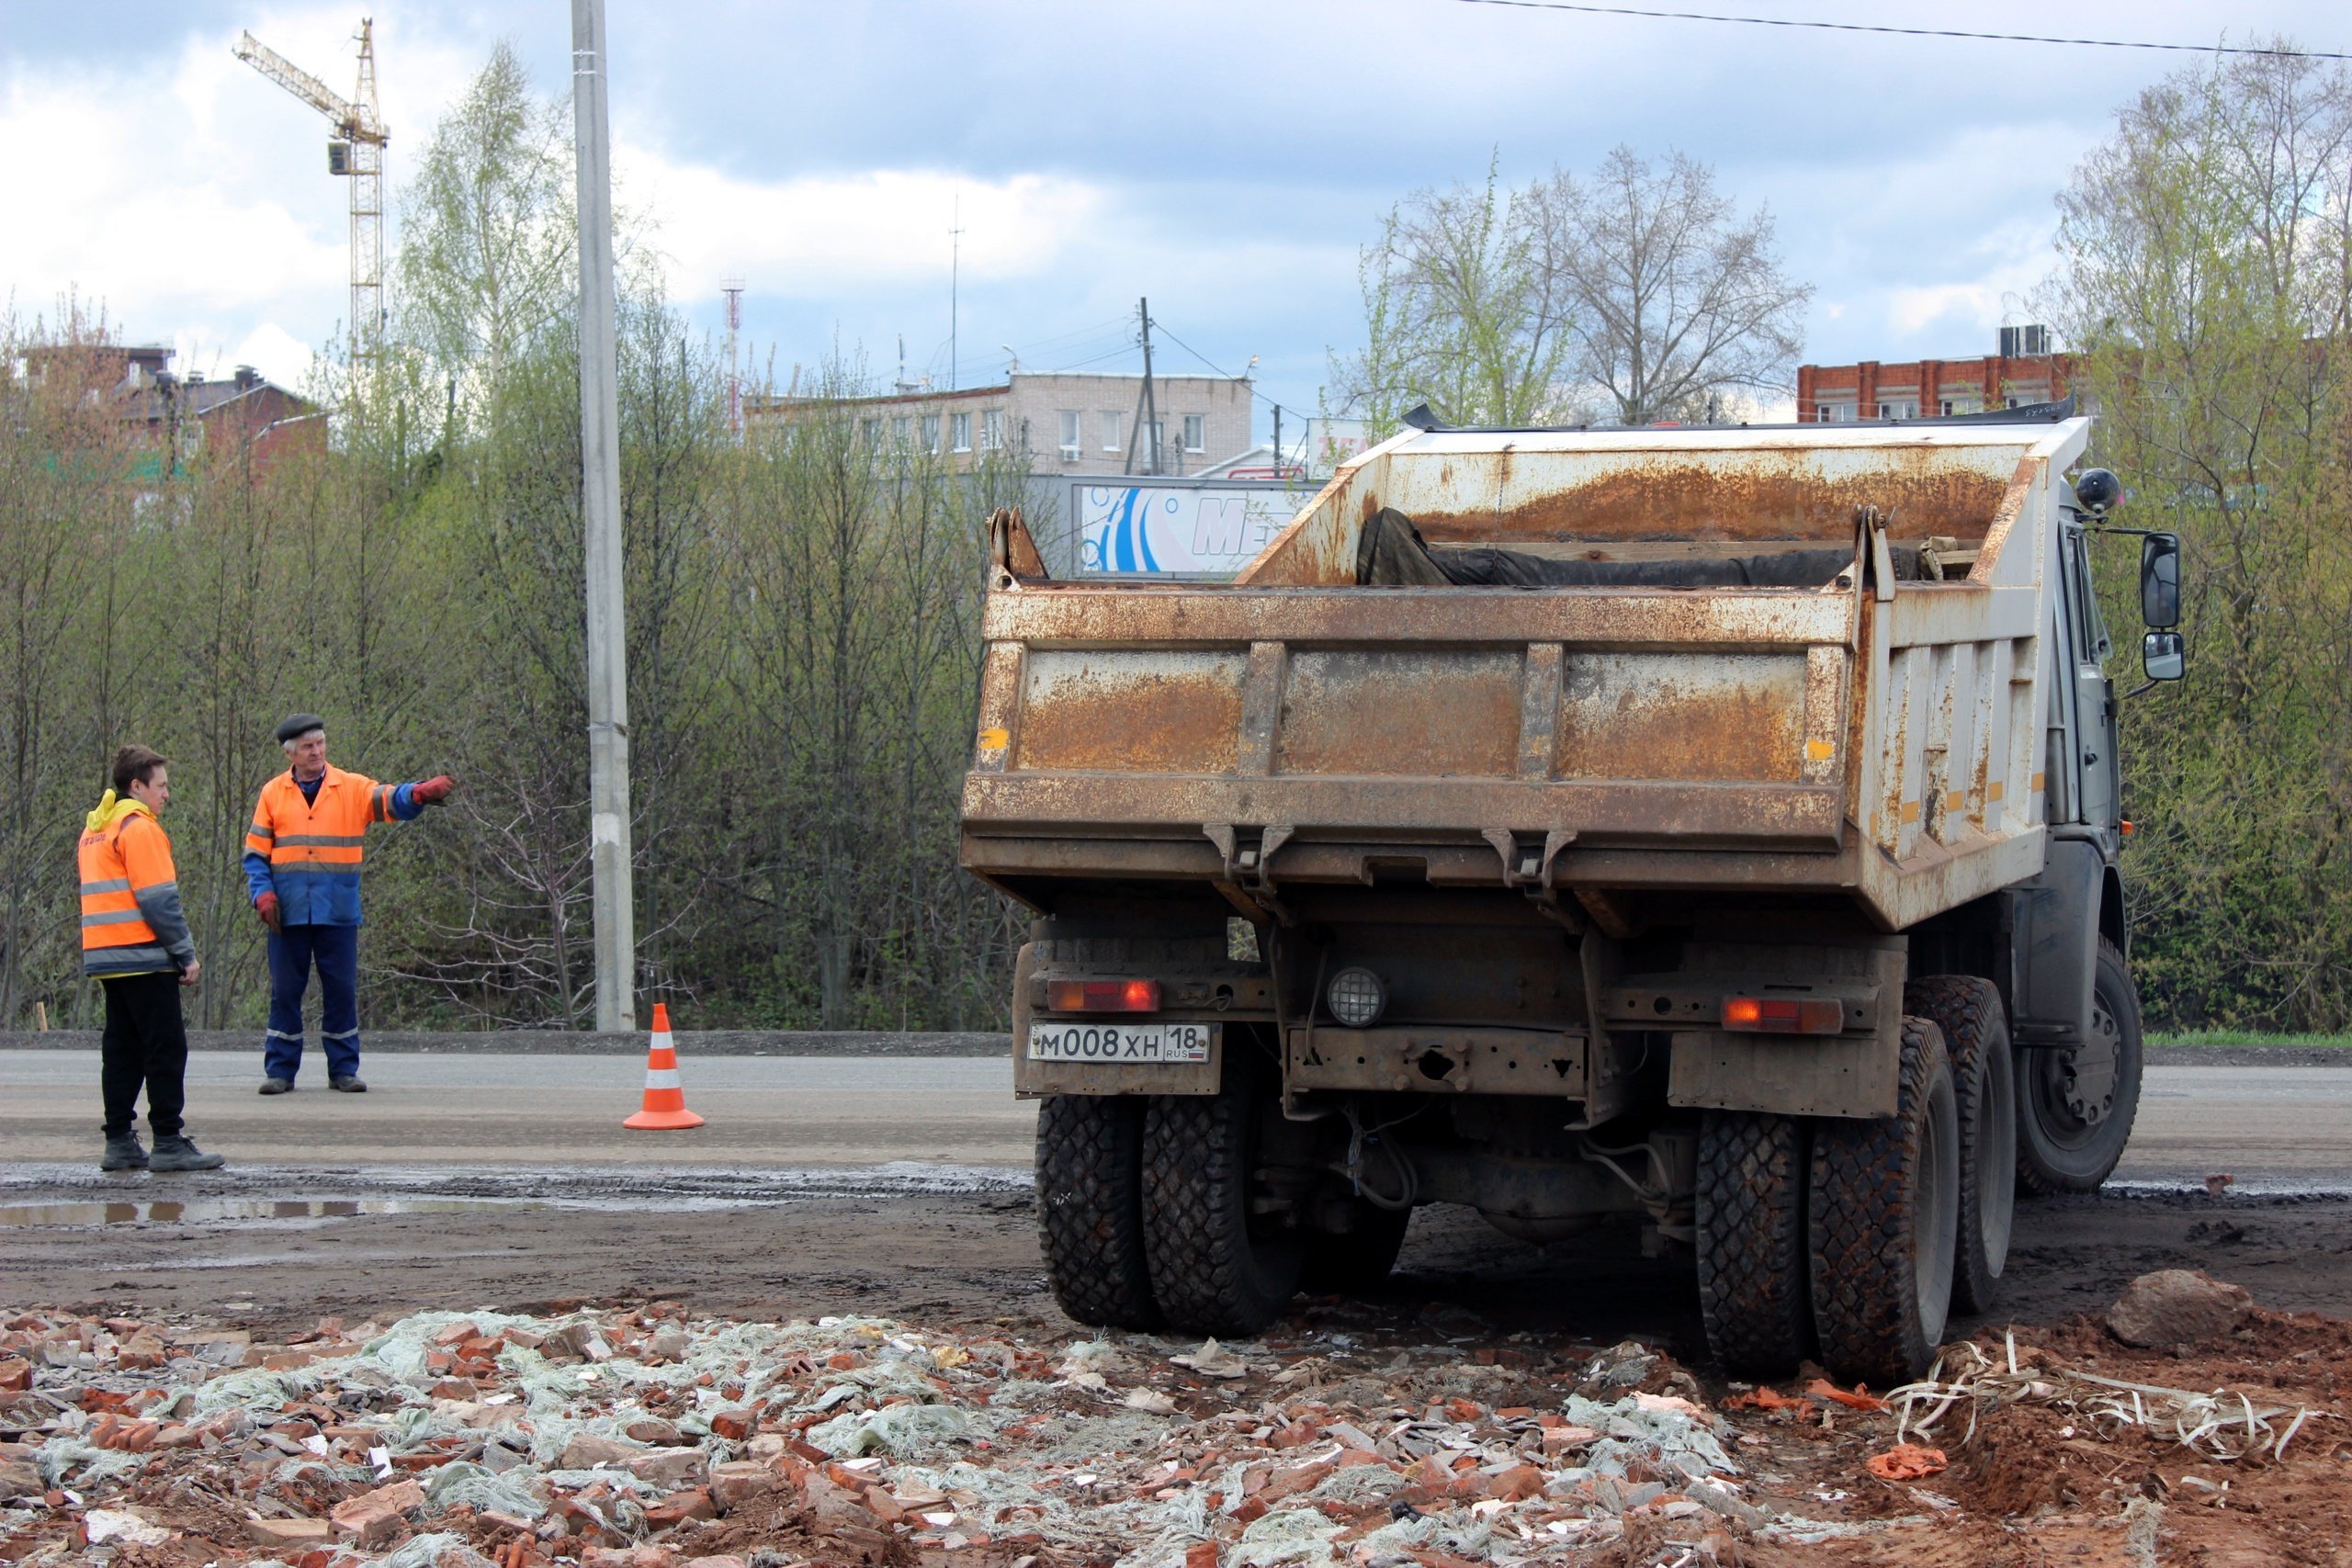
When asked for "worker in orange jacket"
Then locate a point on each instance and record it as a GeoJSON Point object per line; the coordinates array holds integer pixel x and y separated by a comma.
{"type": "Point", "coordinates": [136, 943]}
{"type": "Point", "coordinates": [302, 858]}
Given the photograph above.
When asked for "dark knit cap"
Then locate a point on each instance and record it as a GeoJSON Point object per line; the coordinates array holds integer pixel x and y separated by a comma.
{"type": "Point", "coordinates": [299, 725]}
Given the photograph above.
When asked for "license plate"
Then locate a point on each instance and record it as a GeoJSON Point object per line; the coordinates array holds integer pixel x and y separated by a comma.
{"type": "Point", "coordinates": [1136, 1043]}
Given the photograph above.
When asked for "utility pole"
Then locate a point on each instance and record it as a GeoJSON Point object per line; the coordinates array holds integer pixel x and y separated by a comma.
{"type": "Point", "coordinates": [955, 267]}
{"type": "Point", "coordinates": [1150, 402]}
{"type": "Point", "coordinates": [600, 506]}
{"type": "Point", "coordinates": [1278, 441]}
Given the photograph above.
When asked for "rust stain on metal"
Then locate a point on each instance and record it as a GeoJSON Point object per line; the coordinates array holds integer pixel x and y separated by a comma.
{"type": "Point", "coordinates": [1146, 710]}
{"type": "Point", "coordinates": [2005, 516]}
{"type": "Point", "coordinates": [1427, 713]}
{"type": "Point", "coordinates": [1742, 620]}
{"type": "Point", "coordinates": [1688, 717]}
{"type": "Point", "coordinates": [1786, 494]}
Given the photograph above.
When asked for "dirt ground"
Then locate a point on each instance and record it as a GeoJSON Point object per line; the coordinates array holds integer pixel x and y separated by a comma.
{"type": "Point", "coordinates": [862, 1247]}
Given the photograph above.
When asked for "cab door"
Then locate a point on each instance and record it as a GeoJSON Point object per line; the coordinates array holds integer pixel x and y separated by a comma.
{"type": "Point", "coordinates": [2094, 768]}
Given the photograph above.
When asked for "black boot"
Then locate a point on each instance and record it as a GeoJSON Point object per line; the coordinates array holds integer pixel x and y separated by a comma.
{"type": "Point", "coordinates": [180, 1152]}
{"type": "Point", "coordinates": [124, 1153]}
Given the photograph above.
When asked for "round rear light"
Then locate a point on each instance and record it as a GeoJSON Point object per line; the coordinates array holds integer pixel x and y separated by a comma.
{"type": "Point", "coordinates": [1357, 997]}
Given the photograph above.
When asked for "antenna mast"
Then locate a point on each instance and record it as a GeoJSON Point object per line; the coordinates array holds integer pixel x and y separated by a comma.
{"type": "Point", "coordinates": [955, 263]}
{"type": "Point", "coordinates": [733, 289]}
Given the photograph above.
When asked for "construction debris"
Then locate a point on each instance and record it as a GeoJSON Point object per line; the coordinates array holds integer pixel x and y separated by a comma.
{"type": "Point", "coordinates": [2178, 1306]}
{"type": "Point", "coordinates": [646, 1438]}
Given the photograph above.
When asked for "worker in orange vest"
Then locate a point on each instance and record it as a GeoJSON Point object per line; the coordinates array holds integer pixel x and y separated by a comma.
{"type": "Point", "coordinates": [302, 856]}
{"type": "Point", "coordinates": [135, 941]}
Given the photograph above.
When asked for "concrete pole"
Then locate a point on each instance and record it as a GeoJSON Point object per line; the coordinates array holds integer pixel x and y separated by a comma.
{"type": "Point", "coordinates": [600, 505]}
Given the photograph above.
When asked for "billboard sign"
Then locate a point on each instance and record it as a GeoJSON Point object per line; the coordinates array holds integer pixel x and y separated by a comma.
{"type": "Point", "coordinates": [1176, 528]}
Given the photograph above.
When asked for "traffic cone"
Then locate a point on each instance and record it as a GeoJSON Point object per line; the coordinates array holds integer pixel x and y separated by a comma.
{"type": "Point", "coordinates": [665, 1097]}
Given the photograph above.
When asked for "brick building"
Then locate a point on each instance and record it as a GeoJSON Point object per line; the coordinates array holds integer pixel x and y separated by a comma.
{"type": "Point", "coordinates": [1067, 423]}
{"type": "Point", "coordinates": [2023, 371]}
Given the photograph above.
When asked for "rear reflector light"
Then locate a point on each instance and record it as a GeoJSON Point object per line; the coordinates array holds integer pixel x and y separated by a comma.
{"type": "Point", "coordinates": [1783, 1015]}
{"type": "Point", "coordinates": [1102, 996]}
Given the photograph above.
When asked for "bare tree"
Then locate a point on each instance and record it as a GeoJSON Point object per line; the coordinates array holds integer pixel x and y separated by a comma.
{"type": "Point", "coordinates": [1460, 312]}
{"type": "Point", "coordinates": [1675, 296]}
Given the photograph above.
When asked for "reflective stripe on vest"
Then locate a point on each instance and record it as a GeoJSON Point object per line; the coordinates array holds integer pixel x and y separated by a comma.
{"type": "Point", "coordinates": [326, 835]}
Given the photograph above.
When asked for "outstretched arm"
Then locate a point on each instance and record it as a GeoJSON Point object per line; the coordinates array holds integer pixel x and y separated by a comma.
{"type": "Point", "coordinates": [406, 802]}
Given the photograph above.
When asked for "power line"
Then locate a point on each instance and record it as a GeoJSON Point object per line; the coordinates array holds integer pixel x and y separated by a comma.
{"type": "Point", "coordinates": [1903, 32]}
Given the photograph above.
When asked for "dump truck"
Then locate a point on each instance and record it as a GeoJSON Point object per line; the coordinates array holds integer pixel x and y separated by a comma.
{"type": "Point", "coordinates": [1707, 831]}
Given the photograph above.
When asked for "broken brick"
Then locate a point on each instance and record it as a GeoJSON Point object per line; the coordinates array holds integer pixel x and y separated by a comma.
{"type": "Point", "coordinates": [373, 1518]}
{"type": "Point", "coordinates": [679, 1506]}
{"type": "Point", "coordinates": [281, 1535]}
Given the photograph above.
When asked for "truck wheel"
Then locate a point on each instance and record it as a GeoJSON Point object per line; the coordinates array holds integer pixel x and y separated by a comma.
{"type": "Point", "coordinates": [1753, 1176]}
{"type": "Point", "coordinates": [1976, 1026]}
{"type": "Point", "coordinates": [1090, 1208]}
{"type": "Point", "coordinates": [2076, 1105]}
{"type": "Point", "coordinates": [1215, 1267]}
{"type": "Point", "coordinates": [1362, 1258]}
{"type": "Point", "coordinates": [1883, 1215]}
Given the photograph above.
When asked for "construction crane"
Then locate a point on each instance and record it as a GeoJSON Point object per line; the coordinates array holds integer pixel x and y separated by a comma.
{"type": "Point", "coordinates": [355, 152]}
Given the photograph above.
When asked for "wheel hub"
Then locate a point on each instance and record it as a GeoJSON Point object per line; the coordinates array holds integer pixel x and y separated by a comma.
{"type": "Point", "coordinates": [2086, 1074]}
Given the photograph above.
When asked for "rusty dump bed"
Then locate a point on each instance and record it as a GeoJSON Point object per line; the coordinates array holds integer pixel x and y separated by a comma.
{"type": "Point", "coordinates": [1873, 736]}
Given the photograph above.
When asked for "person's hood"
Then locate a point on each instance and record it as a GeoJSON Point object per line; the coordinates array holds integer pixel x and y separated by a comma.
{"type": "Point", "coordinates": [113, 808]}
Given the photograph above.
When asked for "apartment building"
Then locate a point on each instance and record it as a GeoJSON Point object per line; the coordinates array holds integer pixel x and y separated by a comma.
{"type": "Point", "coordinates": [1069, 422]}
{"type": "Point", "coordinates": [2024, 371]}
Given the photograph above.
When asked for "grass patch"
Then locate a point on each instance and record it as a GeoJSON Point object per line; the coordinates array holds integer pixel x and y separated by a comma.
{"type": "Point", "coordinates": [2250, 1038]}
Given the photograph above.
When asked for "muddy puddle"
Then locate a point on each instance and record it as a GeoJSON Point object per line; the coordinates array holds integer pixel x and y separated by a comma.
{"type": "Point", "coordinates": [211, 1210]}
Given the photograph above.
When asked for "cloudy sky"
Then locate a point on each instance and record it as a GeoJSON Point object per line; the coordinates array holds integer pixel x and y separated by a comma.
{"type": "Point", "coordinates": [1225, 159]}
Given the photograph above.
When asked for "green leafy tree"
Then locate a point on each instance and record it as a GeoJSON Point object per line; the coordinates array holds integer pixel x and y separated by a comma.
{"type": "Point", "coordinates": [2203, 282]}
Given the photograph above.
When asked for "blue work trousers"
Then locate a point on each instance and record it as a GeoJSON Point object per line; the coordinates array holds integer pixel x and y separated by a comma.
{"type": "Point", "coordinates": [292, 952]}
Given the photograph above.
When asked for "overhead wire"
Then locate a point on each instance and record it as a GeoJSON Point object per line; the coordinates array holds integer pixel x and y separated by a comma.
{"type": "Point", "coordinates": [1899, 32]}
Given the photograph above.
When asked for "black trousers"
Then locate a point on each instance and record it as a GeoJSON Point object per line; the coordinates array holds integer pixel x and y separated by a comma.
{"type": "Point", "coordinates": [145, 1046]}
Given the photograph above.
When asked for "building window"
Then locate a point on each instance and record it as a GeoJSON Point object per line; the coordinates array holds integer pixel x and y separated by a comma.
{"type": "Point", "coordinates": [898, 430]}
{"type": "Point", "coordinates": [1196, 433]}
{"type": "Point", "coordinates": [1898, 408]}
{"type": "Point", "coordinates": [959, 432]}
{"type": "Point", "coordinates": [1963, 406]}
{"type": "Point", "coordinates": [1072, 442]}
{"type": "Point", "coordinates": [870, 431]}
{"type": "Point", "coordinates": [1110, 418]}
{"type": "Point", "coordinates": [1834, 413]}
{"type": "Point", "coordinates": [931, 433]}
{"type": "Point", "coordinates": [992, 429]}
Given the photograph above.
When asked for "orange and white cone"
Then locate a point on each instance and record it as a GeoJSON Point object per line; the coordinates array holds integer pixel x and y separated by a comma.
{"type": "Point", "coordinates": [665, 1095]}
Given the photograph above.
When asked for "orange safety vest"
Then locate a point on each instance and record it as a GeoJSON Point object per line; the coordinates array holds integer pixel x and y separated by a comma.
{"type": "Point", "coordinates": [126, 857]}
{"type": "Point", "coordinates": [308, 851]}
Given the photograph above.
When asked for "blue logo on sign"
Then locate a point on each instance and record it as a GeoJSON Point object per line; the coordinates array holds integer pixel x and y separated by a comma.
{"type": "Point", "coordinates": [1123, 542]}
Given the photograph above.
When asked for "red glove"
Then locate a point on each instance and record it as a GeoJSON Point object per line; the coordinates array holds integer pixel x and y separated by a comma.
{"type": "Point", "coordinates": [433, 791]}
{"type": "Point", "coordinates": [267, 905]}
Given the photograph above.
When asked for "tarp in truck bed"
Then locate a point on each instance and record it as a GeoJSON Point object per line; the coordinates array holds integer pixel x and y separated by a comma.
{"type": "Point", "coordinates": [1392, 553]}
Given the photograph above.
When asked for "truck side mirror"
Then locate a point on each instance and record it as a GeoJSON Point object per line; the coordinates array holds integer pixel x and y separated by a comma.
{"type": "Point", "coordinates": [2163, 655]}
{"type": "Point", "coordinates": [2160, 582]}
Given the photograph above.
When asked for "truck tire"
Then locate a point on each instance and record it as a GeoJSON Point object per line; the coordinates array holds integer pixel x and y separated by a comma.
{"type": "Point", "coordinates": [1216, 1269]}
{"type": "Point", "coordinates": [1090, 1209]}
{"type": "Point", "coordinates": [1343, 1264]}
{"type": "Point", "coordinates": [1884, 1213]}
{"type": "Point", "coordinates": [1975, 1027]}
{"type": "Point", "coordinates": [1754, 1172]}
{"type": "Point", "coordinates": [2076, 1105]}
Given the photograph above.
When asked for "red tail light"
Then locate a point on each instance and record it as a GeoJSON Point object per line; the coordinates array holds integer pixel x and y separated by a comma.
{"type": "Point", "coordinates": [1102, 996]}
{"type": "Point", "coordinates": [1783, 1015]}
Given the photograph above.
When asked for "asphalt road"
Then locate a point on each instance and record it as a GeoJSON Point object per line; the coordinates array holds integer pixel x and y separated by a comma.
{"type": "Point", "coordinates": [2274, 1128]}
